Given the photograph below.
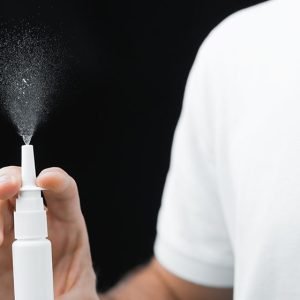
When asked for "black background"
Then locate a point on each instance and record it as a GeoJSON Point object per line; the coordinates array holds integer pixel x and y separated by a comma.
{"type": "Point", "coordinates": [113, 126]}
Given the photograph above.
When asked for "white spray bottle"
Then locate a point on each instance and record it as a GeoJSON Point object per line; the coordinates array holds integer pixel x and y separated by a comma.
{"type": "Point", "coordinates": [32, 254]}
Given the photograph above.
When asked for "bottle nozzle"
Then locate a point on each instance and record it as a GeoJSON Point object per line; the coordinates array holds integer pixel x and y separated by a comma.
{"type": "Point", "coordinates": [28, 167]}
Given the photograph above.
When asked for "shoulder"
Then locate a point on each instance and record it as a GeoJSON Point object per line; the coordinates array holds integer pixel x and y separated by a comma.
{"type": "Point", "coordinates": [239, 40]}
{"type": "Point", "coordinates": [242, 29]}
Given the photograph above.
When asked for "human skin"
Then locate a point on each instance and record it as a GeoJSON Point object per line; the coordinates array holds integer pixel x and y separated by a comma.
{"type": "Point", "coordinates": [74, 277]}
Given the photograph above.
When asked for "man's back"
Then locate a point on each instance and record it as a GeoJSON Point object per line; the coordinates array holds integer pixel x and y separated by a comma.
{"type": "Point", "coordinates": [239, 207]}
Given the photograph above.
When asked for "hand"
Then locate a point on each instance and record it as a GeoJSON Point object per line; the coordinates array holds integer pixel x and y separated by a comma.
{"type": "Point", "coordinates": [74, 277]}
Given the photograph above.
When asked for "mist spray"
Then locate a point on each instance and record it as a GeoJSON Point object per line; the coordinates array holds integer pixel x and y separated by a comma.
{"type": "Point", "coordinates": [31, 72]}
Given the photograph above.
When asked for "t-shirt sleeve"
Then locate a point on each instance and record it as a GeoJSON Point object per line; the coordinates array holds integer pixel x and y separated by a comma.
{"type": "Point", "coordinates": [192, 240]}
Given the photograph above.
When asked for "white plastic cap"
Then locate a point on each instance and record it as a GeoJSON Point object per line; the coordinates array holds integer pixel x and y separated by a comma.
{"type": "Point", "coordinates": [30, 220]}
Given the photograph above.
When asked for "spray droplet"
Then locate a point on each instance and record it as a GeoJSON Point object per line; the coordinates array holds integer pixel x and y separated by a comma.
{"type": "Point", "coordinates": [31, 65]}
{"type": "Point", "coordinates": [27, 139]}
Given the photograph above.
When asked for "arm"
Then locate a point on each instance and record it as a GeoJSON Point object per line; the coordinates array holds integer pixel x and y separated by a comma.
{"type": "Point", "coordinates": [151, 282]}
{"type": "Point", "coordinates": [155, 282]}
{"type": "Point", "coordinates": [74, 277]}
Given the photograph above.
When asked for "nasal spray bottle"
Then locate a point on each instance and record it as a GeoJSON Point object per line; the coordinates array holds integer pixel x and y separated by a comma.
{"type": "Point", "coordinates": [32, 254]}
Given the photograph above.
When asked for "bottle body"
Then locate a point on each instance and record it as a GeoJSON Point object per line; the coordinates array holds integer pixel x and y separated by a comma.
{"type": "Point", "coordinates": [32, 269]}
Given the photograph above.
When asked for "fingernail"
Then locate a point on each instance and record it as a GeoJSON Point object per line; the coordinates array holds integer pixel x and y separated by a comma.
{"type": "Point", "coordinates": [43, 173]}
{"type": "Point", "coordinates": [5, 178]}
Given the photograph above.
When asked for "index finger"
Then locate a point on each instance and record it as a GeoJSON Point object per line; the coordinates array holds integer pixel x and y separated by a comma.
{"type": "Point", "coordinates": [61, 194]}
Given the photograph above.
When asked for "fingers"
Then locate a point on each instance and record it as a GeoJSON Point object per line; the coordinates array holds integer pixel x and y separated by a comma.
{"type": "Point", "coordinates": [10, 182]}
{"type": "Point", "coordinates": [61, 194]}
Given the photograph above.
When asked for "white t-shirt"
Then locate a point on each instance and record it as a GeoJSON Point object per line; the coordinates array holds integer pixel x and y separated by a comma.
{"type": "Point", "coordinates": [230, 213]}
